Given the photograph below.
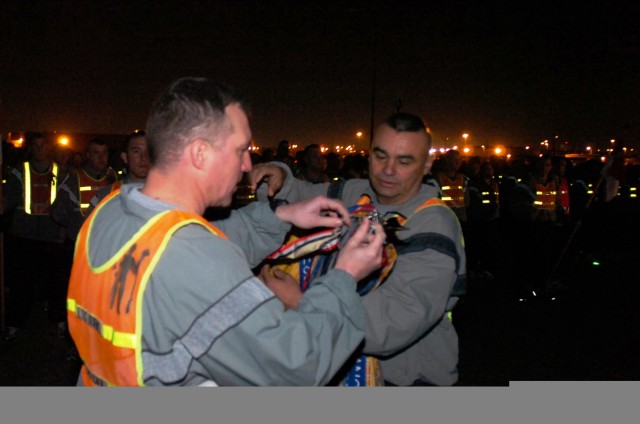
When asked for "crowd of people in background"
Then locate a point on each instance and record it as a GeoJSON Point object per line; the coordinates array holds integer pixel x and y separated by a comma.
{"type": "Point", "coordinates": [48, 191]}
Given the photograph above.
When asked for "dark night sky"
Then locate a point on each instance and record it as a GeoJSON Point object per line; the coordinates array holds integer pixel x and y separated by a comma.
{"type": "Point", "coordinates": [505, 72]}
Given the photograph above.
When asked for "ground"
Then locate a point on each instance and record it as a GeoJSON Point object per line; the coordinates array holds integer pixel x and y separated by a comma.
{"type": "Point", "coordinates": [588, 333]}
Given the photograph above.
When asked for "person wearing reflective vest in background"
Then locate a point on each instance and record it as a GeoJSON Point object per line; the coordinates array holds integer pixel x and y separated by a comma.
{"type": "Point", "coordinates": [135, 156]}
{"type": "Point", "coordinates": [160, 297]}
{"type": "Point", "coordinates": [409, 325]}
{"type": "Point", "coordinates": [79, 187]}
{"type": "Point", "coordinates": [539, 234]}
{"type": "Point", "coordinates": [34, 241]}
{"type": "Point", "coordinates": [483, 236]}
{"type": "Point", "coordinates": [564, 188]}
{"type": "Point", "coordinates": [545, 187]}
{"type": "Point", "coordinates": [453, 184]}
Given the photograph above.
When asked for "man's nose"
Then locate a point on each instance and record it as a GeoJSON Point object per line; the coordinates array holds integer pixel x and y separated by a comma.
{"type": "Point", "coordinates": [246, 162]}
{"type": "Point", "coordinates": [390, 168]}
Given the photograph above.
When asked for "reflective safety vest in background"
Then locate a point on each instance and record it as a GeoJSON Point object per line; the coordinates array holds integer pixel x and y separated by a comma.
{"type": "Point", "coordinates": [104, 301]}
{"type": "Point", "coordinates": [564, 195]}
{"type": "Point", "coordinates": [313, 255]}
{"type": "Point", "coordinates": [453, 190]}
{"type": "Point", "coordinates": [491, 197]}
{"type": "Point", "coordinates": [545, 196]}
{"type": "Point", "coordinates": [89, 187]}
{"type": "Point", "coordinates": [39, 189]}
{"type": "Point", "coordinates": [484, 202]}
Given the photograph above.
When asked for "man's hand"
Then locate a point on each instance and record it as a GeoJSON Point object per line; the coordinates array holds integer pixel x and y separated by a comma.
{"type": "Point", "coordinates": [273, 175]}
{"type": "Point", "coordinates": [283, 285]}
{"type": "Point", "coordinates": [318, 211]}
{"type": "Point", "coordinates": [363, 252]}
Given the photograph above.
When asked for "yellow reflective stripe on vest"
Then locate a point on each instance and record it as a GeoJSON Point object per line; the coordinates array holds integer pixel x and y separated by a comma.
{"type": "Point", "coordinates": [54, 182]}
{"type": "Point", "coordinates": [117, 338]}
{"type": "Point", "coordinates": [27, 188]}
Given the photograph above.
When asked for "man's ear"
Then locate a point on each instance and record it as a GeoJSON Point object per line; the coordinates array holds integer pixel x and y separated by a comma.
{"type": "Point", "coordinates": [428, 164]}
{"type": "Point", "coordinates": [199, 150]}
{"type": "Point", "coordinates": [123, 156]}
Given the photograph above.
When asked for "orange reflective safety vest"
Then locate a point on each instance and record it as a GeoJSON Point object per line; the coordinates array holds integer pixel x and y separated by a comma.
{"type": "Point", "coordinates": [452, 190]}
{"type": "Point", "coordinates": [545, 196]}
{"type": "Point", "coordinates": [89, 187]}
{"type": "Point", "coordinates": [104, 302]}
{"type": "Point", "coordinates": [39, 189]}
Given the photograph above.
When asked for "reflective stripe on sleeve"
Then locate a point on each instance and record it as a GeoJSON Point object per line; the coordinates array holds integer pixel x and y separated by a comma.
{"type": "Point", "coordinates": [231, 310]}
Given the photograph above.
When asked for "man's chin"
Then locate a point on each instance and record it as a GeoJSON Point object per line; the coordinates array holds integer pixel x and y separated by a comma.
{"type": "Point", "coordinates": [221, 201]}
{"type": "Point", "coordinates": [382, 189]}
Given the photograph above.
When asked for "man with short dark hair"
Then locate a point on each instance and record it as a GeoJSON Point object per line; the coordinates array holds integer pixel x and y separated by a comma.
{"type": "Point", "coordinates": [282, 153]}
{"type": "Point", "coordinates": [158, 296]}
{"type": "Point", "coordinates": [135, 156]}
{"type": "Point", "coordinates": [409, 327]}
{"type": "Point", "coordinates": [454, 184]}
{"type": "Point", "coordinates": [313, 165]}
{"type": "Point", "coordinates": [80, 186]}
